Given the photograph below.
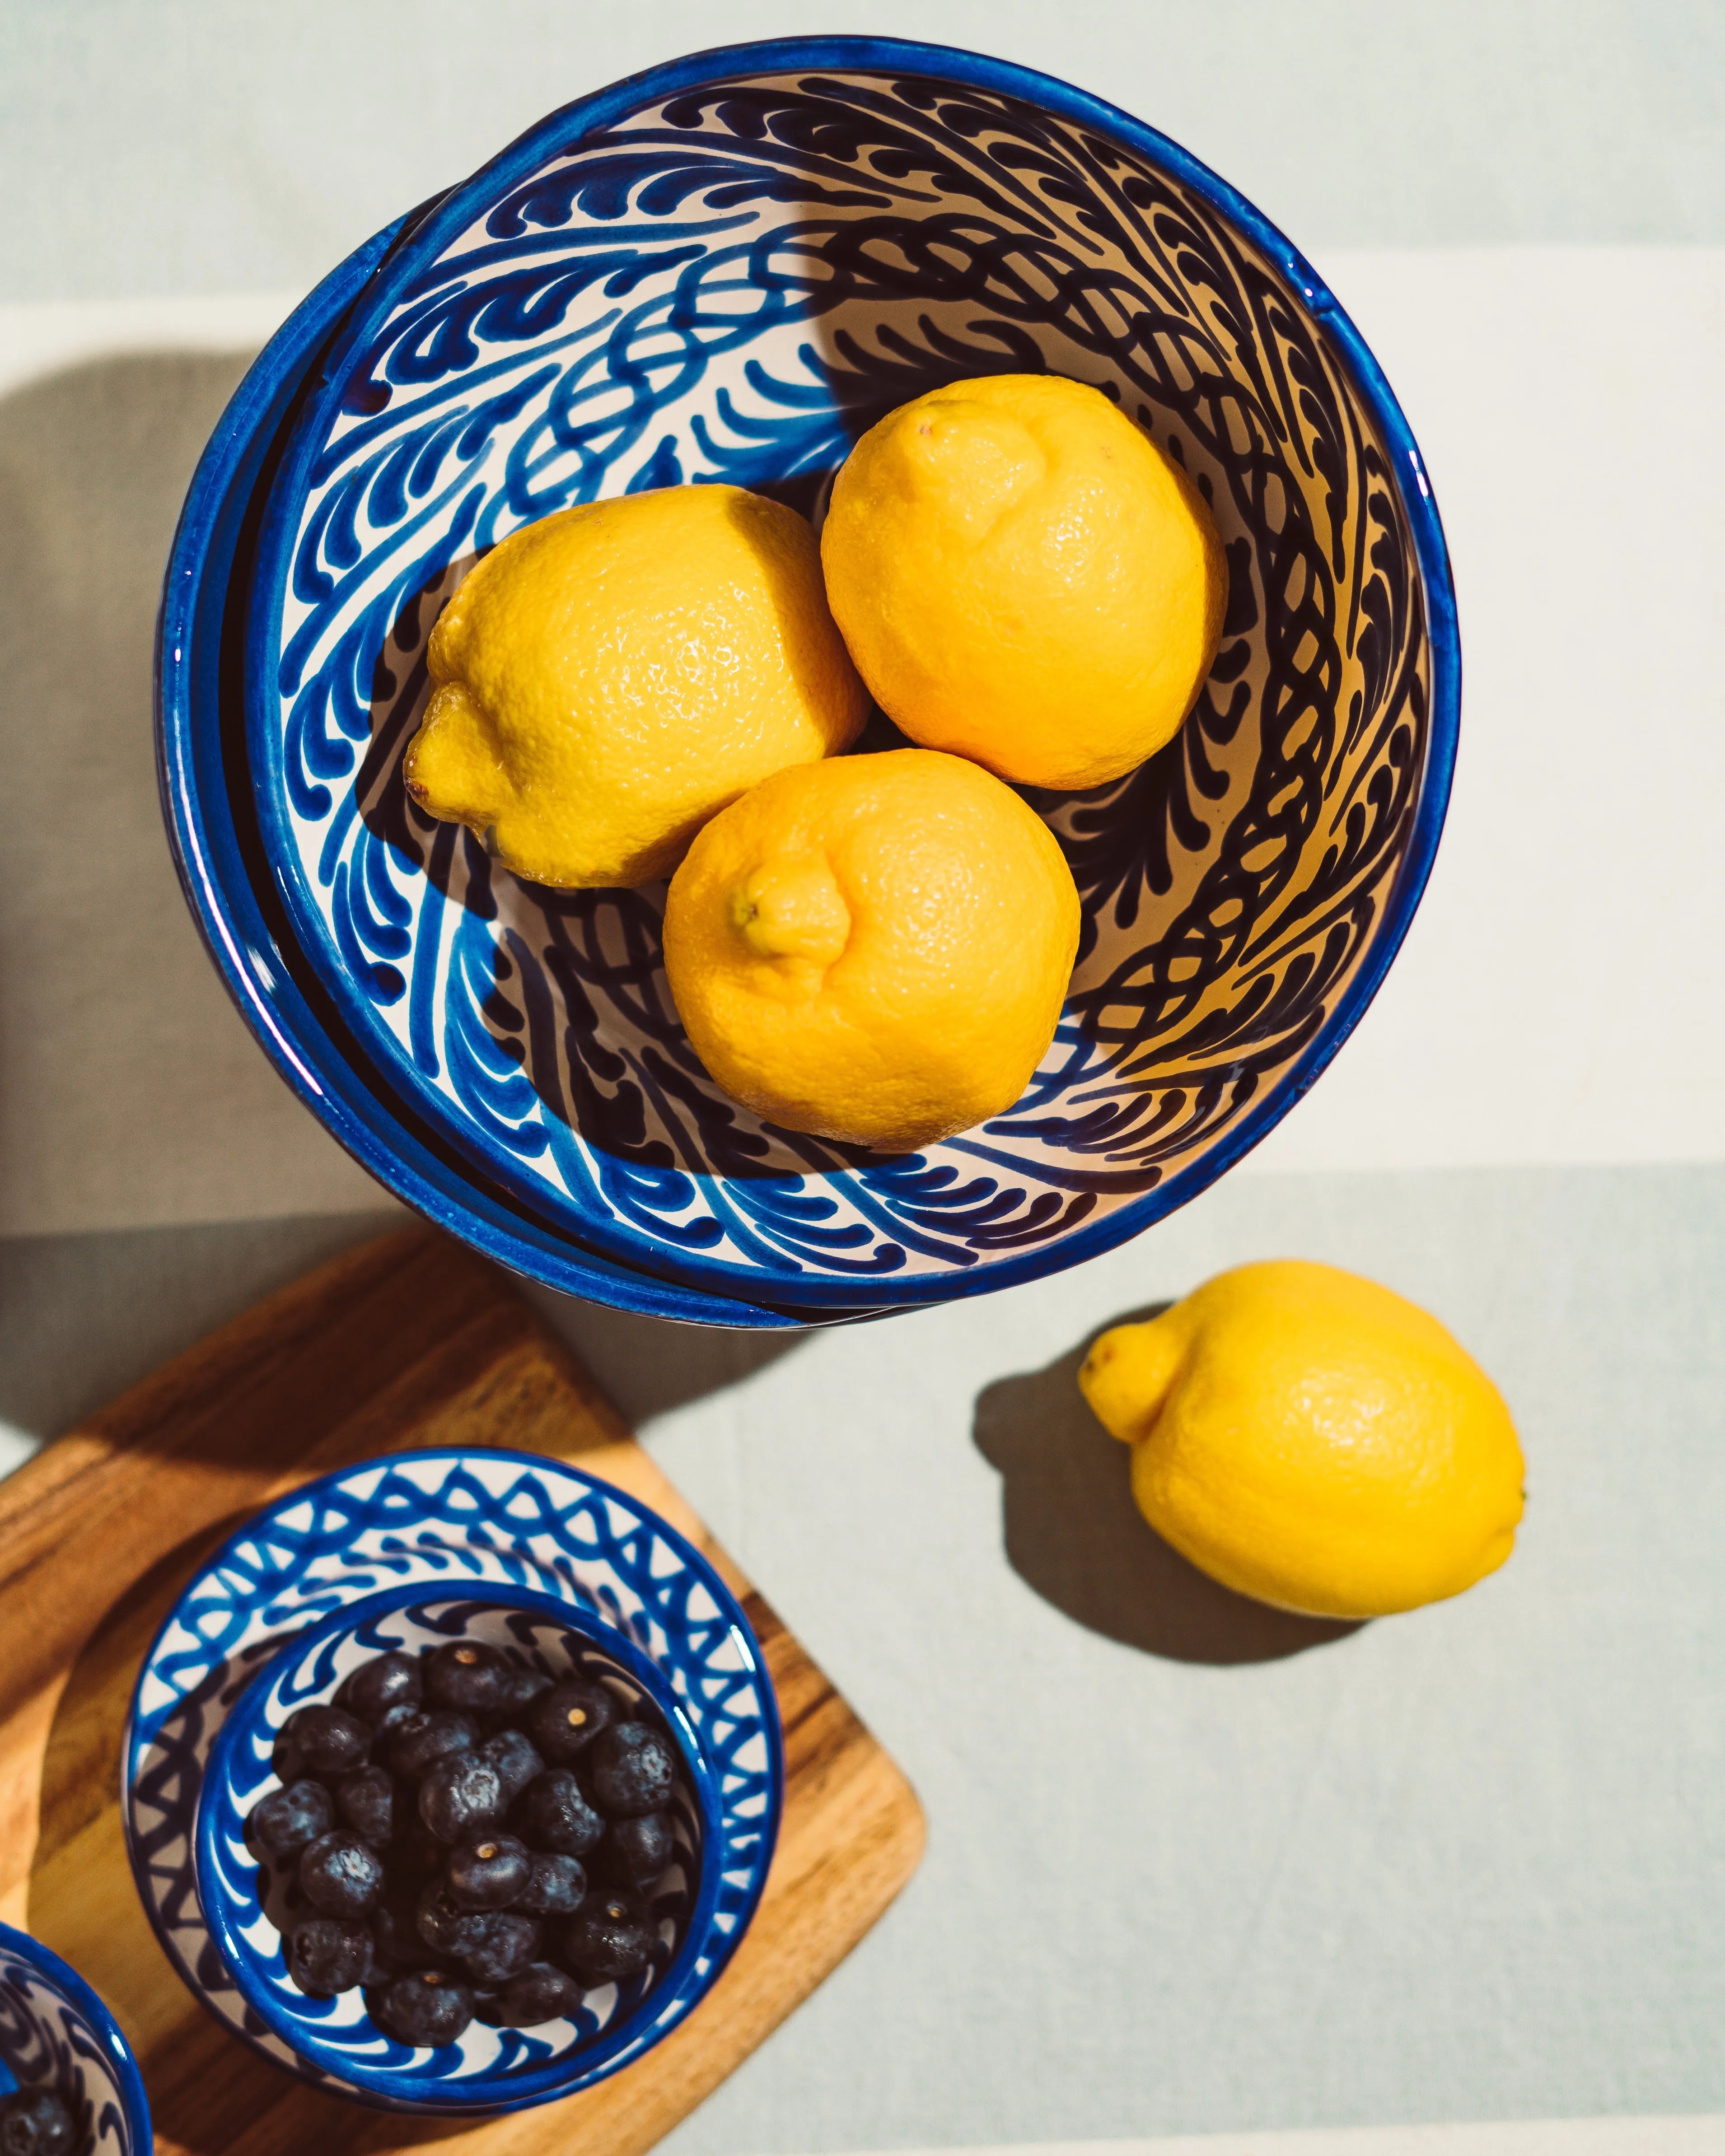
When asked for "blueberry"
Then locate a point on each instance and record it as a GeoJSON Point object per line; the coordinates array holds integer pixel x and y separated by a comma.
{"type": "Point", "coordinates": [389, 1722]}
{"type": "Point", "coordinates": [418, 1741]}
{"type": "Point", "coordinates": [282, 1823]}
{"type": "Point", "coordinates": [429, 2006]}
{"type": "Point", "coordinates": [321, 1740]}
{"type": "Point", "coordinates": [37, 2122]}
{"type": "Point", "coordinates": [376, 1688]}
{"type": "Point", "coordinates": [445, 1928]}
{"type": "Point", "coordinates": [328, 1954]}
{"type": "Point", "coordinates": [556, 1886]}
{"type": "Point", "coordinates": [566, 1719]}
{"type": "Point", "coordinates": [633, 1769]}
{"type": "Point", "coordinates": [521, 1687]}
{"type": "Point", "coordinates": [516, 1762]}
{"type": "Point", "coordinates": [634, 1851]}
{"type": "Point", "coordinates": [461, 1796]}
{"type": "Point", "coordinates": [541, 1993]}
{"type": "Point", "coordinates": [467, 1673]}
{"type": "Point", "coordinates": [511, 1943]}
{"type": "Point", "coordinates": [341, 1875]}
{"type": "Point", "coordinates": [551, 1813]}
{"type": "Point", "coordinates": [367, 1801]}
{"type": "Point", "coordinates": [489, 1874]}
{"type": "Point", "coordinates": [610, 1936]}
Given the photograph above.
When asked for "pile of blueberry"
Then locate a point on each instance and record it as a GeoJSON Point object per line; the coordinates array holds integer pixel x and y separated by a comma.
{"type": "Point", "coordinates": [35, 2121]}
{"type": "Point", "coordinates": [468, 1838]}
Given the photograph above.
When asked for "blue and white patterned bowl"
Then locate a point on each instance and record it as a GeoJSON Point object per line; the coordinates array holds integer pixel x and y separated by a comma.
{"type": "Point", "coordinates": [54, 2030]}
{"type": "Point", "coordinates": [489, 2069]}
{"type": "Point", "coordinates": [726, 269]}
{"type": "Point", "coordinates": [478, 1527]}
{"type": "Point", "coordinates": [210, 803]}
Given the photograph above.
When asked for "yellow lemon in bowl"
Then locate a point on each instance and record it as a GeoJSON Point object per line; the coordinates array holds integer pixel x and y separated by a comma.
{"type": "Point", "coordinates": [606, 679]}
{"type": "Point", "coordinates": [1313, 1441]}
{"type": "Point", "coordinates": [1023, 577]}
{"type": "Point", "coordinates": [875, 948]}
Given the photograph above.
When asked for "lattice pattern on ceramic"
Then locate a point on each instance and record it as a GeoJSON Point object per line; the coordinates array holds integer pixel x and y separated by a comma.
{"type": "Point", "coordinates": [452, 1518]}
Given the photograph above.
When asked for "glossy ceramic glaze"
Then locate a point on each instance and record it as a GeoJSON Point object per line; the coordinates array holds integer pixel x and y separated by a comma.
{"type": "Point", "coordinates": [54, 2030]}
{"type": "Point", "coordinates": [210, 806]}
{"type": "Point", "coordinates": [519, 1526]}
{"type": "Point", "coordinates": [726, 269]}
{"type": "Point", "coordinates": [494, 2069]}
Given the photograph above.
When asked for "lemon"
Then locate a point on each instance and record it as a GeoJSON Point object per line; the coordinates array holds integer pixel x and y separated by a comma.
{"type": "Point", "coordinates": [608, 678]}
{"type": "Point", "coordinates": [1023, 578]}
{"type": "Point", "coordinates": [876, 948]}
{"type": "Point", "coordinates": [1309, 1439]}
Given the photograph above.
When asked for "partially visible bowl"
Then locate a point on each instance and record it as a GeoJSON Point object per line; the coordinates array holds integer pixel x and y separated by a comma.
{"type": "Point", "coordinates": [54, 2030]}
{"type": "Point", "coordinates": [489, 2069]}
{"type": "Point", "coordinates": [727, 268]}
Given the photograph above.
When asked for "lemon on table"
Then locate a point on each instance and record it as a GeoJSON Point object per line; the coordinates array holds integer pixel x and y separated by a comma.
{"type": "Point", "coordinates": [875, 948]}
{"type": "Point", "coordinates": [1023, 577]}
{"type": "Point", "coordinates": [609, 677]}
{"type": "Point", "coordinates": [1310, 1438]}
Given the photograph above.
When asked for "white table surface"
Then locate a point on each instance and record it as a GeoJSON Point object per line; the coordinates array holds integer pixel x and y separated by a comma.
{"type": "Point", "coordinates": [1193, 1869]}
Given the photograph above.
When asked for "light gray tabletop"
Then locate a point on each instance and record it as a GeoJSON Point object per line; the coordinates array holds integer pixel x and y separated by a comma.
{"type": "Point", "coordinates": [1193, 1867]}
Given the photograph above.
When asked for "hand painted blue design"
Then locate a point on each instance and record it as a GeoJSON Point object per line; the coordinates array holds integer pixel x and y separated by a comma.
{"type": "Point", "coordinates": [278, 954]}
{"type": "Point", "coordinates": [55, 2030]}
{"type": "Point", "coordinates": [732, 284]}
{"type": "Point", "coordinates": [209, 804]}
{"type": "Point", "coordinates": [696, 1903]}
{"type": "Point", "coordinates": [517, 1523]}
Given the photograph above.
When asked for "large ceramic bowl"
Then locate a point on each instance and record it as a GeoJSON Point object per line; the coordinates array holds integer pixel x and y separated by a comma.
{"type": "Point", "coordinates": [56, 2031]}
{"type": "Point", "coordinates": [489, 2069]}
{"type": "Point", "coordinates": [209, 802]}
{"type": "Point", "coordinates": [471, 1531]}
{"type": "Point", "coordinates": [726, 269]}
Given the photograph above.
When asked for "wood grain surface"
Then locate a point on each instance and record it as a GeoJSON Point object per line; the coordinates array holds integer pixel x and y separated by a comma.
{"type": "Point", "coordinates": [407, 1342]}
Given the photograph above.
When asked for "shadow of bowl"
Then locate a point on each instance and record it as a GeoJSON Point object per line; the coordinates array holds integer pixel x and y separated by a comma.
{"type": "Point", "coordinates": [1074, 1535]}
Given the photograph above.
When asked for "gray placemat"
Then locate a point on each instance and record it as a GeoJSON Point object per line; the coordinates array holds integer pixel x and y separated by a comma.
{"type": "Point", "coordinates": [1194, 1866]}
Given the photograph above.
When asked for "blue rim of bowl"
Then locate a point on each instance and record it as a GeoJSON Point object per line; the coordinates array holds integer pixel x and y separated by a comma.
{"type": "Point", "coordinates": [431, 2093]}
{"type": "Point", "coordinates": [409, 248]}
{"type": "Point", "coordinates": [116, 2051]}
{"type": "Point", "coordinates": [231, 899]}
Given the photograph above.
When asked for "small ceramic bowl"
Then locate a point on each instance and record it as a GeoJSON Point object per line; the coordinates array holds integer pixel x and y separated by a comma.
{"type": "Point", "coordinates": [244, 1901]}
{"type": "Point", "coordinates": [726, 269]}
{"type": "Point", "coordinates": [479, 1531]}
{"type": "Point", "coordinates": [54, 2030]}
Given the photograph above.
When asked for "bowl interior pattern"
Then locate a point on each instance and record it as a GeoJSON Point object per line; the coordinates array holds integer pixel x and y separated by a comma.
{"type": "Point", "coordinates": [54, 2030]}
{"type": "Point", "coordinates": [730, 283]}
{"type": "Point", "coordinates": [494, 2066]}
{"type": "Point", "coordinates": [447, 1518]}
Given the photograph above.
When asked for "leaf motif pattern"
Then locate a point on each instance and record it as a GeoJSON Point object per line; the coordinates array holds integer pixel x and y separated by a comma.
{"type": "Point", "coordinates": [732, 285]}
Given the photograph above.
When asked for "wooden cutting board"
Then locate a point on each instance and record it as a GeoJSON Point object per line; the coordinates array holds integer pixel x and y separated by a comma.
{"type": "Point", "coordinates": [408, 1341]}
